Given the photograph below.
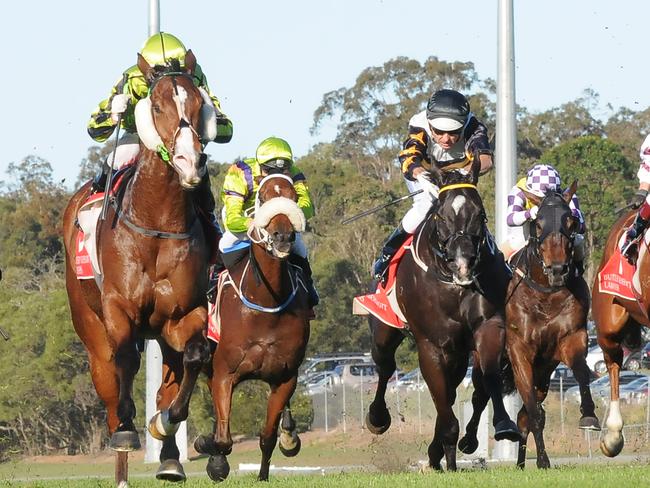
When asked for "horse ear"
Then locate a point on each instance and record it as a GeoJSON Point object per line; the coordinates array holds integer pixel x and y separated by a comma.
{"type": "Point", "coordinates": [436, 175]}
{"type": "Point", "coordinates": [190, 62]}
{"type": "Point", "coordinates": [144, 68]}
{"type": "Point", "coordinates": [532, 197]}
{"type": "Point", "coordinates": [568, 194]}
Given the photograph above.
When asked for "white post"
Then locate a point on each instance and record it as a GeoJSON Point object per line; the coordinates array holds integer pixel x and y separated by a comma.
{"type": "Point", "coordinates": [505, 161]}
{"type": "Point", "coordinates": [399, 417]}
{"type": "Point", "coordinates": [361, 397]}
{"type": "Point", "coordinates": [345, 413]}
{"type": "Point", "coordinates": [647, 412]}
{"type": "Point", "coordinates": [326, 421]}
{"type": "Point", "coordinates": [153, 361]}
{"type": "Point", "coordinates": [561, 404]}
{"type": "Point", "coordinates": [419, 406]}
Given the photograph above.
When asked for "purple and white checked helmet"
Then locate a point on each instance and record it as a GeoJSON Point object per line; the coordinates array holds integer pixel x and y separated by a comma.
{"type": "Point", "coordinates": [542, 177]}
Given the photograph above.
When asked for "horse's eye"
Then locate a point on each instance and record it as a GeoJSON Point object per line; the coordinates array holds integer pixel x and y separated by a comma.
{"type": "Point", "coordinates": [156, 109]}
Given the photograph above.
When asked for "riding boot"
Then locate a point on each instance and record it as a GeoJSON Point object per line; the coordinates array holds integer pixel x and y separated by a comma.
{"type": "Point", "coordinates": [206, 205]}
{"type": "Point", "coordinates": [392, 244]}
{"type": "Point", "coordinates": [99, 181]}
{"type": "Point", "coordinates": [314, 299]}
{"type": "Point", "coordinates": [635, 231]}
{"type": "Point", "coordinates": [579, 254]}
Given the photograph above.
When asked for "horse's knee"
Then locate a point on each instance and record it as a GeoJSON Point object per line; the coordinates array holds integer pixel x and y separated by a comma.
{"type": "Point", "coordinates": [196, 354]}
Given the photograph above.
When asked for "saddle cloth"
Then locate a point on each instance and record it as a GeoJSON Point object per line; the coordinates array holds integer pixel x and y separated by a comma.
{"type": "Point", "coordinates": [86, 260]}
{"type": "Point", "coordinates": [214, 310]}
{"type": "Point", "coordinates": [620, 278]}
{"type": "Point", "coordinates": [382, 304]}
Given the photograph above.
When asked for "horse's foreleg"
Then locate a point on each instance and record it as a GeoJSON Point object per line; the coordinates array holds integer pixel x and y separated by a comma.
{"type": "Point", "coordinates": [469, 443]}
{"type": "Point", "coordinates": [278, 399]}
{"type": "Point", "coordinates": [188, 336]}
{"type": "Point", "coordinates": [489, 340]}
{"type": "Point", "coordinates": [289, 441]}
{"type": "Point", "coordinates": [572, 350]}
{"type": "Point", "coordinates": [520, 355]}
{"type": "Point", "coordinates": [435, 372]}
{"type": "Point", "coordinates": [385, 341]}
{"type": "Point", "coordinates": [522, 424]}
{"type": "Point", "coordinates": [612, 442]}
{"type": "Point", "coordinates": [222, 387]}
{"type": "Point", "coordinates": [127, 363]}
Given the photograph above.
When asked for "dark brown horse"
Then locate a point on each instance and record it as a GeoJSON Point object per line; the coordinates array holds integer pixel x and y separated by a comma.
{"type": "Point", "coordinates": [451, 290]}
{"type": "Point", "coordinates": [153, 256]}
{"type": "Point", "coordinates": [546, 317]}
{"type": "Point", "coordinates": [618, 322]}
{"type": "Point", "coordinates": [264, 328]}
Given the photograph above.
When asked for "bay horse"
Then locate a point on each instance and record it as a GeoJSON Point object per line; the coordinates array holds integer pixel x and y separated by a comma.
{"type": "Point", "coordinates": [618, 323]}
{"type": "Point", "coordinates": [264, 316]}
{"type": "Point", "coordinates": [450, 288]}
{"type": "Point", "coordinates": [153, 255]}
{"type": "Point", "coordinates": [546, 322]}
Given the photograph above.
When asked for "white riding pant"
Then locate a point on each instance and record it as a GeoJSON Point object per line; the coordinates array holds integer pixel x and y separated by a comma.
{"type": "Point", "coordinates": [127, 151]}
{"type": "Point", "coordinates": [230, 239]}
{"type": "Point", "coordinates": [422, 203]}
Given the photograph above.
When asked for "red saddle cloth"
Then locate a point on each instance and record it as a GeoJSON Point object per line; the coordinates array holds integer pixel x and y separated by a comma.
{"type": "Point", "coordinates": [616, 277]}
{"type": "Point", "coordinates": [83, 265]}
{"type": "Point", "coordinates": [378, 304]}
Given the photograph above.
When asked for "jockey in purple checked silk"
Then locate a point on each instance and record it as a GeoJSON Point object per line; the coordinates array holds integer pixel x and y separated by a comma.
{"type": "Point", "coordinates": [521, 209]}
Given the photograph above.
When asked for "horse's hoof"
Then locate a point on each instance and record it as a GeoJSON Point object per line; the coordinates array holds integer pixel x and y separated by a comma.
{"type": "Point", "coordinates": [171, 470]}
{"type": "Point", "coordinates": [160, 426]}
{"type": "Point", "coordinates": [589, 423]}
{"type": "Point", "coordinates": [543, 462]}
{"type": "Point", "coordinates": [204, 444]}
{"type": "Point", "coordinates": [506, 430]}
{"type": "Point", "coordinates": [468, 445]}
{"type": "Point", "coordinates": [125, 441]}
{"type": "Point", "coordinates": [291, 452]}
{"type": "Point", "coordinates": [378, 430]}
{"type": "Point", "coordinates": [218, 468]}
{"type": "Point", "coordinates": [612, 445]}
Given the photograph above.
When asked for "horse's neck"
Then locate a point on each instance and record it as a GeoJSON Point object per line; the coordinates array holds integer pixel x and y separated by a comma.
{"type": "Point", "coordinates": [156, 198]}
{"type": "Point", "coordinates": [272, 285]}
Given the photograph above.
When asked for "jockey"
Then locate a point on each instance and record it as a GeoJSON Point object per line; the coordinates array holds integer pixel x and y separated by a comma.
{"type": "Point", "coordinates": [521, 209]}
{"type": "Point", "coordinates": [239, 192]}
{"type": "Point", "coordinates": [641, 201]}
{"type": "Point", "coordinates": [160, 50]}
{"type": "Point", "coordinates": [446, 135]}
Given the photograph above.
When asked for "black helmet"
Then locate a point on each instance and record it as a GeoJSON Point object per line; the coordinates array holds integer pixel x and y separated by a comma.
{"type": "Point", "coordinates": [447, 110]}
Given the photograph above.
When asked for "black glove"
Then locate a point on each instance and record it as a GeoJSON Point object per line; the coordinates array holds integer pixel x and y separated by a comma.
{"type": "Point", "coordinates": [638, 198]}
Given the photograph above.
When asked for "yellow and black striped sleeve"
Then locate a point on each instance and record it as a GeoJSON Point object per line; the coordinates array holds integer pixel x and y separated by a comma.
{"type": "Point", "coordinates": [414, 151]}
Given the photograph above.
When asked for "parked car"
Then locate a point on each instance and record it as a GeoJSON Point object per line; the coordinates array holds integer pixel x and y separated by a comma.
{"type": "Point", "coordinates": [318, 383]}
{"type": "Point", "coordinates": [631, 362]}
{"type": "Point", "coordinates": [329, 363]}
{"type": "Point", "coordinates": [600, 387]}
{"type": "Point", "coordinates": [645, 356]}
{"type": "Point", "coordinates": [635, 391]}
{"type": "Point", "coordinates": [356, 373]}
{"type": "Point", "coordinates": [406, 381]}
{"type": "Point", "coordinates": [594, 357]}
{"type": "Point", "coordinates": [562, 375]}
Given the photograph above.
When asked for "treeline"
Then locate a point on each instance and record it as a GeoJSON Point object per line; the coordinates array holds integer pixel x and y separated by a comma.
{"type": "Point", "coordinates": [47, 401]}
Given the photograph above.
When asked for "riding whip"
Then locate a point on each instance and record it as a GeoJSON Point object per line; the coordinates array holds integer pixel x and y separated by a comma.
{"type": "Point", "coordinates": [109, 178]}
{"type": "Point", "coordinates": [379, 207]}
{"type": "Point", "coordinates": [4, 335]}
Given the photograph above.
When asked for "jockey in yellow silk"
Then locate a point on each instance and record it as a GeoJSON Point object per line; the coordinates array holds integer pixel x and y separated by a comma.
{"type": "Point", "coordinates": [238, 195]}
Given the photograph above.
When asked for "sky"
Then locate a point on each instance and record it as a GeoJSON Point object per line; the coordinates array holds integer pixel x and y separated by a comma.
{"type": "Point", "coordinates": [270, 63]}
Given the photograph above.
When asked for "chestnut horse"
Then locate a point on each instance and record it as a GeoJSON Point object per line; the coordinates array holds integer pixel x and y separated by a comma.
{"type": "Point", "coordinates": [546, 317]}
{"type": "Point", "coordinates": [618, 322]}
{"type": "Point", "coordinates": [264, 316]}
{"type": "Point", "coordinates": [154, 256]}
{"type": "Point", "coordinates": [451, 289]}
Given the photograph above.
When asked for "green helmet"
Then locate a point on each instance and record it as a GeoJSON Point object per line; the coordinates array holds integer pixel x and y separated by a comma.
{"type": "Point", "coordinates": [161, 48]}
{"type": "Point", "coordinates": [275, 153]}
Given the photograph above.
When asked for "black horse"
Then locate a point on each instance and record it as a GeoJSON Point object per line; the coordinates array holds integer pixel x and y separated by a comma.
{"type": "Point", "coordinates": [451, 289]}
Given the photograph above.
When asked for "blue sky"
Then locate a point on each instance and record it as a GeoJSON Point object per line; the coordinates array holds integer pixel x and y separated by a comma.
{"type": "Point", "coordinates": [271, 62]}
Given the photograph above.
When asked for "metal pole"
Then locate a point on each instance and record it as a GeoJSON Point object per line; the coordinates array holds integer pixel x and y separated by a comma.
{"type": "Point", "coordinates": [361, 397]}
{"type": "Point", "coordinates": [505, 159]}
{"type": "Point", "coordinates": [154, 17]}
{"type": "Point", "coordinates": [326, 422]}
{"type": "Point", "coordinates": [345, 413]}
{"type": "Point", "coordinates": [561, 405]}
{"type": "Point", "coordinates": [399, 417]}
{"type": "Point", "coordinates": [647, 412]}
{"type": "Point", "coordinates": [419, 406]}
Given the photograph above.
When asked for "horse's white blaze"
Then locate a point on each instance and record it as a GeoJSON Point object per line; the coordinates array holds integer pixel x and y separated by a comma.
{"type": "Point", "coordinates": [614, 419]}
{"type": "Point", "coordinates": [276, 189]}
{"type": "Point", "coordinates": [458, 202]}
{"type": "Point", "coordinates": [185, 156]}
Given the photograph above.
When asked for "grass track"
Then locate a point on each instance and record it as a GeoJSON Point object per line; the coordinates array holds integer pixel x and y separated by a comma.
{"type": "Point", "coordinates": [565, 476]}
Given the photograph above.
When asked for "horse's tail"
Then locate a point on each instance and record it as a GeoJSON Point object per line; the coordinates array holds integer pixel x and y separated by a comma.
{"type": "Point", "coordinates": [507, 376]}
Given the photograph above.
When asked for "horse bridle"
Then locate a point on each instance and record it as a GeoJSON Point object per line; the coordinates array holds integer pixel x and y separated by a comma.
{"type": "Point", "coordinates": [477, 240]}
{"type": "Point", "coordinates": [559, 214]}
